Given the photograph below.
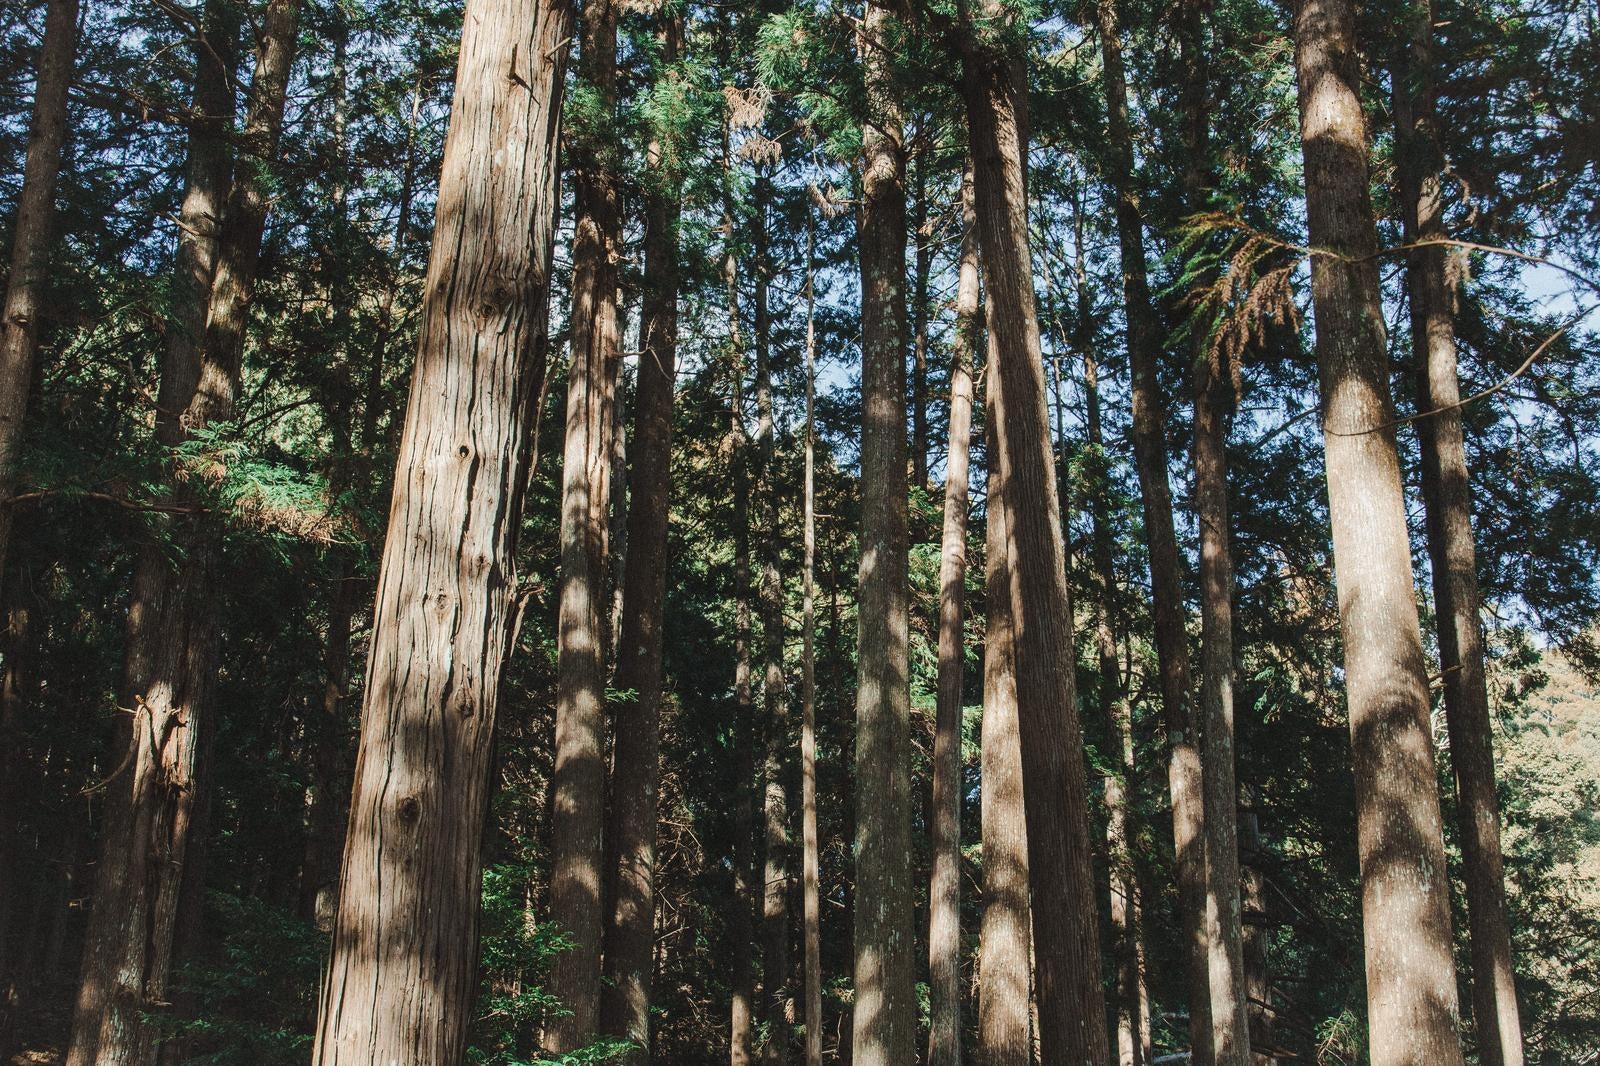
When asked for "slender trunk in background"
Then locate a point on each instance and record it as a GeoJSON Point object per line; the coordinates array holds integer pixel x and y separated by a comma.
{"type": "Point", "coordinates": [1253, 905]}
{"type": "Point", "coordinates": [1166, 568]}
{"type": "Point", "coordinates": [1113, 703]}
{"type": "Point", "coordinates": [944, 892]}
{"type": "Point", "coordinates": [1004, 1038]}
{"type": "Point", "coordinates": [776, 990]}
{"type": "Point", "coordinates": [149, 847]}
{"type": "Point", "coordinates": [810, 861]}
{"type": "Point", "coordinates": [741, 922]}
{"type": "Point", "coordinates": [1447, 495]}
{"type": "Point", "coordinates": [635, 769]}
{"type": "Point", "coordinates": [1066, 932]}
{"type": "Point", "coordinates": [577, 812]}
{"type": "Point", "coordinates": [1411, 983]}
{"type": "Point", "coordinates": [30, 244]}
{"type": "Point", "coordinates": [402, 978]}
{"type": "Point", "coordinates": [1213, 405]}
{"type": "Point", "coordinates": [885, 1012]}
{"type": "Point", "coordinates": [922, 232]}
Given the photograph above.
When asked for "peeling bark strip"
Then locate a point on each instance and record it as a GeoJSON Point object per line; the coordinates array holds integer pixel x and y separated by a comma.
{"type": "Point", "coordinates": [1411, 985]}
{"type": "Point", "coordinates": [30, 243]}
{"type": "Point", "coordinates": [885, 1011]}
{"type": "Point", "coordinates": [577, 813]}
{"type": "Point", "coordinates": [1066, 934]}
{"type": "Point", "coordinates": [944, 891]}
{"type": "Point", "coordinates": [1447, 495]}
{"type": "Point", "coordinates": [402, 977]}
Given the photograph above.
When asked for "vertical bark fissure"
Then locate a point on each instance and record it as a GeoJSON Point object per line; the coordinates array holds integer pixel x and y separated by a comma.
{"type": "Point", "coordinates": [1411, 987]}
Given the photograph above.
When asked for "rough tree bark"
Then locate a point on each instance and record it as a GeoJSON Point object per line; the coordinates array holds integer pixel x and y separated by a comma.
{"type": "Point", "coordinates": [402, 978]}
{"type": "Point", "coordinates": [1184, 780]}
{"type": "Point", "coordinates": [884, 1018]}
{"type": "Point", "coordinates": [944, 893]}
{"type": "Point", "coordinates": [1066, 933]}
{"type": "Point", "coordinates": [578, 780]}
{"type": "Point", "coordinates": [144, 882]}
{"type": "Point", "coordinates": [30, 243]}
{"type": "Point", "coordinates": [1447, 496]}
{"type": "Point", "coordinates": [922, 232]}
{"type": "Point", "coordinates": [636, 770]}
{"type": "Point", "coordinates": [1003, 943]}
{"type": "Point", "coordinates": [1411, 988]}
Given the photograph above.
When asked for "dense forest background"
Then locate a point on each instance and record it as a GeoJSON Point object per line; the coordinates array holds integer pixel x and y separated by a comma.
{"type": "Point", "coordinates": [749, 118]}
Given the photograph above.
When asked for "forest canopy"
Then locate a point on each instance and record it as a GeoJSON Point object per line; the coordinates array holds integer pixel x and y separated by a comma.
{"type": "Point", "coordinates": [561, 532]}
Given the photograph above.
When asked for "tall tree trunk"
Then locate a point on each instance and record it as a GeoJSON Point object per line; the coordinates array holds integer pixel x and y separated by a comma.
{"type": "Point", "coordinates": [636, 770]}
{"type": "Point", "coordinates": [811, 858]}
{"type": "Point", "coordinates": [402, 978]}
{"type": "Point", "coordinates": [1411, 988]}
{"type": "Point", "coordinates": [30, 243]}
{"type": "Point", "coordinates": [149, 840]}
{"type": "Point", "coordinates": [1113, 703]}
{"type": "Point", "coordinates": [1066, 932]}
{"type": "Point", "coordinates": [944, 893]}
{"type": "Point", "coordinates": [922, 231]}
{"type": "Point", "coordinates": [740, 924]}
{"type": "Point", "coordinates": [1447, 495]}
{"type": "Point", "coordinates": [885, 1019]}
{"type": "Point", "coordinates": [1184, 778]}
{"type": "Point", "coordinates": [577, 812]}
{"type": "Point", "coordinates": [1004, 1038]}
{"type": "Point", "coordinates": [1253, 903]}
{"type": "Point", "coordinates": [776, 990]}
{"type": "Point", "coordinates": [1213, 404]}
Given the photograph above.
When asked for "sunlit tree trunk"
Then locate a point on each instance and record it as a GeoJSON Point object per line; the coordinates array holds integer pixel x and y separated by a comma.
{"type": "Point", "coordinates": [30, 243]}
{"type": "Point", "coordinates": [1411, 985]}
{"type": "Point", "coordinates": [402, 975]}
{"type": "Point", "coordinates": [944, 894]}
{"type": "Point", "coordinates": [811, 857]}
{"type": "Point", "coordinates": [578, 779]}
{"type": "Point", "coordinates": [1447, 495]}
{"type": "Point", "coordinates": [885, 1012]}
{"type": "Point", "coordinates": [1066, 933]}
{"type": "Point", "coordinates": [635, 770]}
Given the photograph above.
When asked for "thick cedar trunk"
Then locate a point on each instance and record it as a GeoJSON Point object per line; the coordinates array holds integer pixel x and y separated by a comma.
{"type": "Point", "coordinates": [1004, 1038]}
{"type": "Point", "coordinates": [636, 771]}
{"type": "Point", "coordinates": [402, 978]}
{"type": "Point", "coordinates": [944, 893]}
{"type": "Point", "coordinates": [810, 860]}
{"type": "Point", "coordinates": [776, 990]}
{"type": "Point", "coordinates": [578, 780]}
{"type": "Point", "coordinates": [741, 922]}
{"type": "Point", "coordinates": [885, 1018]}
{"type": "Point", "coordinates": [1411, 987]}
{"type": "Point", "coordinates": [30, 243]}
{"type": "Point", "coordinates": [145, 888]}
{"type": "Point", "coordinates": [1447, 495]}
{"type": "Point", "coordinates": [1166, 591]}
{"type": "Point", "coordinates": [1113, 703]}
{"type": "Point", "coordinates": [1066, 931]}
{"type": "Point", "coordinates": [1213, 402]}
